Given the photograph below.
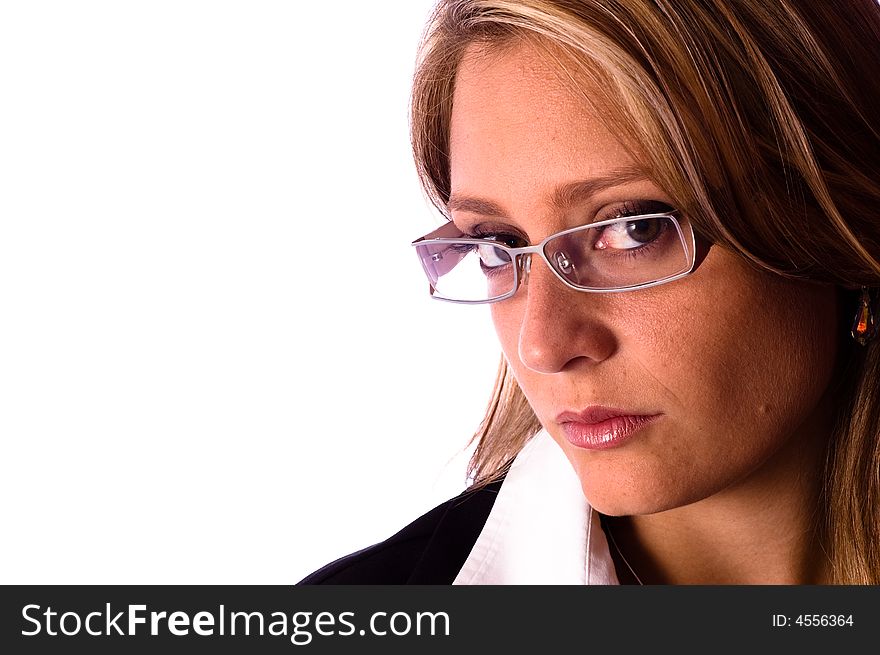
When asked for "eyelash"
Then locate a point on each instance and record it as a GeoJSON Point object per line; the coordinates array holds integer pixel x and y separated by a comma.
{"type": "Point", "coordinates": [637, 207]}
{"type": "Point", "coordinates": [624, 209]}
{"type": "Point", "coordinates": [506, 238]}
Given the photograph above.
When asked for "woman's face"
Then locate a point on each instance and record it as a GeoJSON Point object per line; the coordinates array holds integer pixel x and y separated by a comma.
{"type": "Point", "coordinates": [731, 362]}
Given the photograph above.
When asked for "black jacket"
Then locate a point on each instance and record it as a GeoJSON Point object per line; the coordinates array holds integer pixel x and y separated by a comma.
{"type": "Point", "coordinates": [430, 550]}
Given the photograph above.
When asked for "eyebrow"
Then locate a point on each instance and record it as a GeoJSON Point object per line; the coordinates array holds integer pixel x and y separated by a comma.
{"type": "Point", "coordinates": [562, 197]}
{"type": "Point", "coordinates": [474, 206]}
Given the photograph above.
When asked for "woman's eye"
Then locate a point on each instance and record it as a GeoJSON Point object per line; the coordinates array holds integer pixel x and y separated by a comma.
{"type": "Point", "coordinates": [509, 240]}
{"type": "Point", "coordinates": [627, 235]}
{"type": "Point", "coordinates": [492, 256]}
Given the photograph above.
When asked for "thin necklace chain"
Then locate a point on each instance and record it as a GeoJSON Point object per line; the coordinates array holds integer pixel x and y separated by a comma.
{"type": "Point", "coordinates": [622, 556]}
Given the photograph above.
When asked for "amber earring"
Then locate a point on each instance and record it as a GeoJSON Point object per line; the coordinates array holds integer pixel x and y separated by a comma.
{"type": "Point", "coordinates": [864, 326]}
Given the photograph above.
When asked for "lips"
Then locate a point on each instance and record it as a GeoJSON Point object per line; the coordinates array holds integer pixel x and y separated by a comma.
{"type": "Point", "coordinates": [600, 428]}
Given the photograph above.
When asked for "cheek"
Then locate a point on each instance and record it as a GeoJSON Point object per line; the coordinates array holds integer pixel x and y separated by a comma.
{"type": "Point", "coordinates": [506, 318]}
{"type": "Point", "coordinates": [741, 370]}
{"type": "Point", "coordinates": [756, 358]}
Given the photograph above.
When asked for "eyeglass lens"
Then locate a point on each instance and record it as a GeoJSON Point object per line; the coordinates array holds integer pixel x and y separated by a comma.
{"type": "Point", "coordinates": [630, 252]}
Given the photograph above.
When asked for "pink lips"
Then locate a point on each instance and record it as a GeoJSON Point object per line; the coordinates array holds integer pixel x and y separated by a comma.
{"type": "Point", "coordinates": [600, 428]}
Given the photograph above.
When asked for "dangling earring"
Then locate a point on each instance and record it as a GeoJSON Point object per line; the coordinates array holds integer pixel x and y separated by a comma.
{"type": "Point", "coordinates": [864, 326]}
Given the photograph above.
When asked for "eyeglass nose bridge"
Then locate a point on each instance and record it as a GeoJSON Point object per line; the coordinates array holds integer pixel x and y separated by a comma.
{"type": "Point", "coordinates": [524, 261]}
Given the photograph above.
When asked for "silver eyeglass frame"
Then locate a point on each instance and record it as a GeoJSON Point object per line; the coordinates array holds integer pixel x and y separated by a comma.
{"type": "Point", "coordinates": [521, 257]}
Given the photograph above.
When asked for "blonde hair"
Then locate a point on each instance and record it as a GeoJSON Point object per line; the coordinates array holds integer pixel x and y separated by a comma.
{"type": "Point", "coordinates": [759, 119]}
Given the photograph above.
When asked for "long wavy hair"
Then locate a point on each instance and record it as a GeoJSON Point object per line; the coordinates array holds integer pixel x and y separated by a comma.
{"type": "Point", "coordinates": [761, 120]}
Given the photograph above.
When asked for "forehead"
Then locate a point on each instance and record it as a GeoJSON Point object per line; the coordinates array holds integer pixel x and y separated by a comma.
{"type": "Point", "coordinates": [521, 121]}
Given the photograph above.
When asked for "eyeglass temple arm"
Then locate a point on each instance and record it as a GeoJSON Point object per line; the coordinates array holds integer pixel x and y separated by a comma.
{"type": "Point", "coordinates": [447, 231]}
{"type": "Point", "coordinates": [701, 249]}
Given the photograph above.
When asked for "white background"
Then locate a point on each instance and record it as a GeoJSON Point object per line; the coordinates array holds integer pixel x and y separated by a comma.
{"type": "Point", "coordinates": [218, 359]}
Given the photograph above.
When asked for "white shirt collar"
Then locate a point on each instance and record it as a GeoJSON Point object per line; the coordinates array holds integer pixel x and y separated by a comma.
{"type": "Point", "coordinates": [541, 530]}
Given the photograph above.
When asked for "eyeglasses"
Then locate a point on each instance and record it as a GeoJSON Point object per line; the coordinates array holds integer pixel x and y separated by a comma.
{"type": "Point", "coordinates": [621, 254]}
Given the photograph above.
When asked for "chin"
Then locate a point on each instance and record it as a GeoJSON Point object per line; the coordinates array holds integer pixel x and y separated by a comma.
{"type": "Point", "coordinates": [615, 506]}
{"type": "Point", "coordinates": [615, 500]}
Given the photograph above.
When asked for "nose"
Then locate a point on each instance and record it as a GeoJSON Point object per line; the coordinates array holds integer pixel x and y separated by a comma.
{"type": "Point", "coordinates": [560, 326]}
